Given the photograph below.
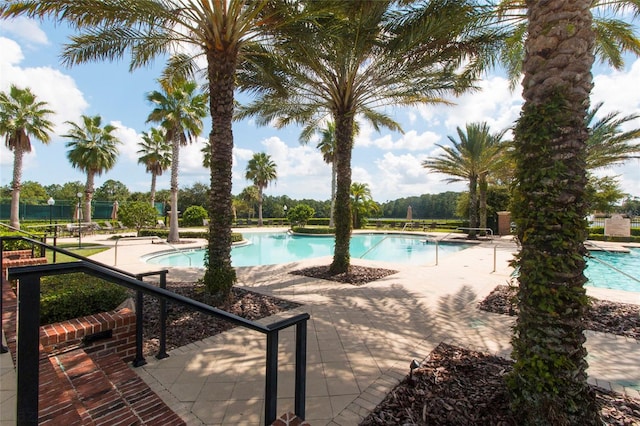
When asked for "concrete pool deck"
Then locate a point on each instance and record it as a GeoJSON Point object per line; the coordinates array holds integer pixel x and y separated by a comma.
{"type": "Point", "coordinates": [361, 339]}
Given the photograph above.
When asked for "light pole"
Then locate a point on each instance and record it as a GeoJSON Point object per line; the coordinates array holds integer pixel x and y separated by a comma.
{"type": "Point", "coordinates": [51, 202]}
{"type": "Point", "coordinates": [79, 195]}
{"type": "Point", "coordinates": [285, 211]}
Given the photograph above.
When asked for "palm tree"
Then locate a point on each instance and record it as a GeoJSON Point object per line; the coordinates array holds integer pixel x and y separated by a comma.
{"type": "Point", "coordinates": [362, 203]}
{"type": "Point", "coordinates": [470, 159]}
{"type": "Point", "coordinates": [262, 171]}
{"type": "Point", "coordinates": [224, 33]}
{"type": "Point", "coordinates": [613, 37]}
{"type": "Point", "coordinates": [179, 109]}
{"type": "Point", "coordinates": [548, 384]}
{"type": "Point", "coordinates": [21, 115]}
{"type": "Point", "coordinates": [93, 150]}
{"type": "Point", "coordinates": [362, 56]}
{"type": "Point", "coordinates": [607, 144]}
{"type": "Point", "coordinates": [155, 154]}
{"type": "Point", "coordinates": [327, 147]}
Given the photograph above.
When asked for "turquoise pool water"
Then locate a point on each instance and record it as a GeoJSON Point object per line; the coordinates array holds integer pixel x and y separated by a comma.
{"type": "Point", "coordinates": [603, 276]}
{"type": "Point", "coordinates": [275, 248]}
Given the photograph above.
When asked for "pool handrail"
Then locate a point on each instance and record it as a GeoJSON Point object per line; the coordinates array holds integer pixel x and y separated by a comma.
{"type": "Point", "coordinates": [150, 237]}
{"type": "Point", "coordinates": [607, 263]}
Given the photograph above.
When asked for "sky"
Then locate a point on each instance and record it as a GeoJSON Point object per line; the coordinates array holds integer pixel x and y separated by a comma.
{"type": "Point", "coordinates": [389, 162]}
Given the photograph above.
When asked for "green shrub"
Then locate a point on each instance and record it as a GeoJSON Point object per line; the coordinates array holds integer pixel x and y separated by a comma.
{"type": "Point", "coordinates": [314, 231]}
{"type": "Point", "coordinates": [164, 233]}
{"type": "Point", "coordinates": [193, 216]}
{"type": "Point", "coordinates": [300, 214]}
{"type": "Point", "coordinates": [68, 296]}
{"type": "Point", "coordinates": [138, 215]}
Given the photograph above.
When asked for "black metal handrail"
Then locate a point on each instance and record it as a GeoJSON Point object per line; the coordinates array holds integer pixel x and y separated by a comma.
{"type": "Point", "coordinates": [29, 319]}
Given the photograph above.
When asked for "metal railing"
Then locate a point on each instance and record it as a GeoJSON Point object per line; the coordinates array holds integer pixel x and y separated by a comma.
{"type": "Point", "coordinates": [27, 358]}
{"type": "Point", "coordinates": [151, 237]}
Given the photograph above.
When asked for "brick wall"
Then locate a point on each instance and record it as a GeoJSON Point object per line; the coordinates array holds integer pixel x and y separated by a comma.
{"type": "Point", "coordinates": [19, 258]}
{"type": "Point", "coordinates": [121, 323]}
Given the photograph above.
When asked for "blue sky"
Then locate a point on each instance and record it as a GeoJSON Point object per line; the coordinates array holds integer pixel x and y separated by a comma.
{"type": "Point", "coordinates": [390, 162]}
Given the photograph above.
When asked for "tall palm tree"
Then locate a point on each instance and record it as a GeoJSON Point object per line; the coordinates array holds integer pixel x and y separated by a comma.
{"type": "Point", "coordinates": [179, 109]}
{"type": "Point", "coordinates": [548, 384]}
{"type": "Point", "coordinates": [327, 147]}
{"type": "Point", "coordinates": [362, 56]}
{"type": "Point", "coordinates": [472, 158]}
{"type": "Point", "coordinates": [224, 33]}
{"type": "Point", "coordinates": [93, 149]}
{"type": "Point", "coordinates": [155, 154]}
{"type": "Point", "coordinates": [262, 171]}
{"type": "Point", "coordinates": [21, 115]}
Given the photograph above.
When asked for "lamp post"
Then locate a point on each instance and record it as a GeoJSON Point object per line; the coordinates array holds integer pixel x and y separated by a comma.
{"type": "Point", "coordinates": [79, 195]}
{"type": "Point", "coordinates": [51, 202]}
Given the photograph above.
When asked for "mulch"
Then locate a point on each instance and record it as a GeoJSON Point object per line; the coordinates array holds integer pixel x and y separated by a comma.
{"type": "Point", "coordinates": [461, 387]}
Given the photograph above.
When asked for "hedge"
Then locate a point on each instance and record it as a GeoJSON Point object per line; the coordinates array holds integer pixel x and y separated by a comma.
{"type": "Point", "coordinates": [68, 296]}
{"type": "Point", "coordinates": [164, 233]}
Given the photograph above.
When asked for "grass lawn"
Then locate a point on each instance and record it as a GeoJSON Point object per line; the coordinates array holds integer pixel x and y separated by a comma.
{"type": "Point", "coordinates": [85, 250]}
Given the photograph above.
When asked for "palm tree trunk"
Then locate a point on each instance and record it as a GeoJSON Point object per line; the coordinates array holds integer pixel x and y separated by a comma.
{"type": "Point", "coordinates": [153, 189]}
{"type": "Point", "coordinates": [88, 196]}
{"type": "Point", "coordinates": [473, 206]}
{"type": "Point", "coordinates": [482, 202]}
{"type": "Point", "coordinates": [14, 219]}
{"type": "Point", "coordinates": [220, 276]}
{"type": "Point", "coordinates": [174, 234]}
{"type": "Point", "coordinates": [344, 145]}
{"type": "Point", "coordinates": [259, 206]}
{"type": "Point", "coordinates": [549, 382]}
{"type": "Point", "coordinates": [334, 173]}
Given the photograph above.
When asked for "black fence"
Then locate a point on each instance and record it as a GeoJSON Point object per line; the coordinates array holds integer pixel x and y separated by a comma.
{"type": "Point", "coordinates": [62, 210]}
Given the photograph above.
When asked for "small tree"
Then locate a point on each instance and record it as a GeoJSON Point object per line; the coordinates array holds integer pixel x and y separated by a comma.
{"type": "Point", "coordinates": [138, 214]}
{"type": "Point", "coordinates": [300, 214]}
{"type": "Point", "coordinates": [194, 215]}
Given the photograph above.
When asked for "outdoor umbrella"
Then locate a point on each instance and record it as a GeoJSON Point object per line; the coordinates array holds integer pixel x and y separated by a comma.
{"type": "Point", "coordinates": [409, 213]}
{"type": "Point", "coordinates": [114, 211]}
{"type": "Point", "coordinates": [77, 213]}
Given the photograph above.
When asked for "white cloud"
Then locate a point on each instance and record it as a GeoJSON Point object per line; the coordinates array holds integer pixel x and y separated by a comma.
{"type": "Point", "coordinates": [615, 91]}
{"type": "Point", "coordinates": [403, 175]}
{"type": "Point", "coordinates": [495, 103]}
{"type": "Point", "coordinates": [129, 138]}
{"type": "Point", "coordinates": [26, 29]}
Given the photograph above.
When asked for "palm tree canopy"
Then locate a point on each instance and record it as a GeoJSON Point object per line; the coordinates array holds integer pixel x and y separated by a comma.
{"type": "Point", "coordinates": [155, 152]}
{"type": "Point", "coordinates": [607, 144]}
{"type": "Point", "coordinates": [22, 115]}
{"type": "Point", "coordinates": [361, 57]}
{"type": "Point", "coordinates": [474, 154]}
{"type": "Point", "coordinates": [93, 148]}
{"type": "Point", "coordinates": [111, 29]}
{"type": "Point", "coordinates": [261, 170]}
{"type": "Point", "coordinates": [179, 110]}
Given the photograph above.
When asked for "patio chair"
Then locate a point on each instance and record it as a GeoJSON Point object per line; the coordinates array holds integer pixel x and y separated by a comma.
{"type": "Point", "coordinates": [108, 227]}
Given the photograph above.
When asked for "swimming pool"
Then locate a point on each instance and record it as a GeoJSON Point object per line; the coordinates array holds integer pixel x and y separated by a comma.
{"type": "Point", "coordinates": [268, 248]}
{"type": "Point", "coordinates": [603, 276]}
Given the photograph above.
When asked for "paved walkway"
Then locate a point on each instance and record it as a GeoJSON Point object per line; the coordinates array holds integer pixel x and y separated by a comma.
{"type": "Point", "coordinates": [361, 339]}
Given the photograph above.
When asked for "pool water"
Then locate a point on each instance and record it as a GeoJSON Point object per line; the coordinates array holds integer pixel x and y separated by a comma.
{"type": "Point", "coordinates": [276, 248]}
{"type": "Point", "coordinates": [603, 276]}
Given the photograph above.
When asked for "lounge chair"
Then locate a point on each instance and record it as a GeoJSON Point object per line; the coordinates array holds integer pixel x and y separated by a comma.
{"type": "Point", "coordinates": [121, 226]}
{"type": "Point", "coordinates": [108, 226]}
{"type": "Point", "coordinates": [160, 224]}
{"type": "Point", "coordinates": [205, 222]}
